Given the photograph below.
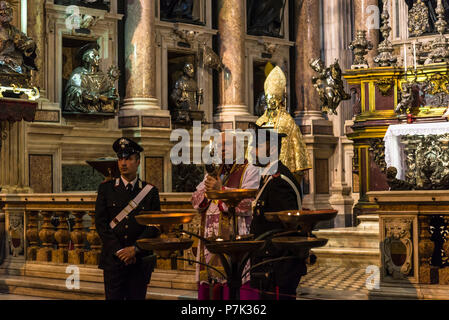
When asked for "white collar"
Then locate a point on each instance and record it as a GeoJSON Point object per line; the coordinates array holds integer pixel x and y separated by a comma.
{"type": "Point", "coordinates": [125, 182]}
{"type": "Point", "coordinates": [267, 170]}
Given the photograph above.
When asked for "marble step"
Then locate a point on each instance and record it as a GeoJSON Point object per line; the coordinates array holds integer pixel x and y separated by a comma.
{"type": "Point", "coordinates": [56, 289]}
{"type": "Point", "coordinates": [165, 284]}
{"type": "Point", "coordinates": [347, 257]}
{"type": "Point", "coordinates": [349, 238]}
{"type": "Point", "coordinates": [350, 247]}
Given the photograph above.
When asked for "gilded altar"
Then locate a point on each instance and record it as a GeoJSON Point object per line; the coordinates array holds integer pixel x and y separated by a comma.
{"type": "Point", "coordinates": [376, 94]}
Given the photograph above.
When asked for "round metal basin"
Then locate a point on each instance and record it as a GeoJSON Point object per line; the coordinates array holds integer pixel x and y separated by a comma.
{"type": "Point", "coordinates": [165, 247]}
{"type": "Point", "coordinates": [233, 247]}
{"type": "Point", "coordinates": [306, 219]}
{"type": "Point", "coordinates": [300, 246]}
{"type": "Point", "coordinates": [164, 217]}
{"type": "Point", "coordinates": [231, 197]}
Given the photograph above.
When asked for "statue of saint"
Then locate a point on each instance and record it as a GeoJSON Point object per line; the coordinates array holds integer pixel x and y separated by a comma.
{"type": "Point", "coordinates": [177, 9]}
{"type": "Point", "coordinates": [17, 51]}
{"type": "Point", "coordinates": [293, 150]}
{"type": "Point", "coordinates": [88, 89]}
{"type": "Point", "coordinates": [265, 17]}
{"type": "Point", "coordinates": [186, 95]}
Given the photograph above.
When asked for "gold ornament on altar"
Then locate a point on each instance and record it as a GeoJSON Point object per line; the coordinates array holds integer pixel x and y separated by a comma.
{"type": "Point", "coordinates": [293, 150]}
{"type": "Point", "coordinates": [418, 19]}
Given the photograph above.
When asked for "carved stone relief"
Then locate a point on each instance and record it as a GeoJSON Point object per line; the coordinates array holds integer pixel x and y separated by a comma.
{"type": "Point", "coordinates": [398, 247]}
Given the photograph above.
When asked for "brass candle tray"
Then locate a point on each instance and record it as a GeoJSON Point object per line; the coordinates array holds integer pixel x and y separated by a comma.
{"type": "Point", "coordinates": [300, 246]}
{"type": "Point", "coordinates": [168, 217]}
{"type": "Point", "coordinates": [298, 242]}
{"type": "Point", "coordinates": [231, 197]}
{"type": "Point", "coordinates": [233, 247]}
{"type": "Point", "coordinates": [306, 219]}
{"type": "Point", "coordinates": [164, 247]}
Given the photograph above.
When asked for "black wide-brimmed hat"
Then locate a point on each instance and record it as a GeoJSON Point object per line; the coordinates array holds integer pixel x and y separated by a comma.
{"type": "Point", "coordinates": [269, 133]}
{"type": "Point", "coordinates": [125, 147]}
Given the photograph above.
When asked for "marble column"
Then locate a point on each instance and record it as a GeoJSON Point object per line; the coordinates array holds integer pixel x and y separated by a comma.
{"type": "Point", "coordinates": [366, 13]}
{"type": "Point", "coordinates": [232, 89]}
{"type": "Point", "coordinates": [338, 35]}
{"type": "Point", "coordinates": [141, 116]}
{"type": "Point", "coordinates": [36, 30]}
{"type": "Point", "coordinates": [317, 131]}
{"type": "Point", "coordinates": [308, 46]}
{"type": "Point", "coordinates": [140, 55]}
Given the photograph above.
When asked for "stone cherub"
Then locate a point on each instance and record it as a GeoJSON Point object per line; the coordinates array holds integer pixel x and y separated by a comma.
{"type": "Point", "coordinates": [17, 51]}
{"type": "Point", "coordinates": [329, 85]}
{"type": "Point", "coordinates": [407, 99]}
{"type": "Point", "coordinates": [88, 89]}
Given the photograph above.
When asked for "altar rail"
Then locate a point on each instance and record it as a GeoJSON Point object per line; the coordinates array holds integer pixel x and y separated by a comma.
{"type": "Point", "coordinates": [60, 228]}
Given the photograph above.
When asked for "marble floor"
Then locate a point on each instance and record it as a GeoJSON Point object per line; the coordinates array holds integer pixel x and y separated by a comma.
{"type": "Point", "coordinates": [334, 283]}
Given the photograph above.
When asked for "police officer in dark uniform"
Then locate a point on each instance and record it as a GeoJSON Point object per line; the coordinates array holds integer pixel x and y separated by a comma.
{"type": "Point", "coordinates": [278, 191]}
{"type": "Point", "coordinates": [127, 268]}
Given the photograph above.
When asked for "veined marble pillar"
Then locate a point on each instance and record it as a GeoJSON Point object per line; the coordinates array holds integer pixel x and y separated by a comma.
{"type": "Point", "coordinates": [140, 55]}
{"type": "Point", "coordinates": [233, 108]}
{"type": "Point", "coordinates": [308, 46]}
{"type": "Point", "coordinates": [317, 131]}
{"type": "Point", "coordinates": [338, 35]}
{"type": "Point", "coordinates": [141, 116]}
{"type": "Point", "coordinates": [365, 14]}
{"type": "Point", "coordinates": [36, 30]}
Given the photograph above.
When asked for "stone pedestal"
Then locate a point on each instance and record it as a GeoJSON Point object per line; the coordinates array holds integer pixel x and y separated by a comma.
{"type": "Point", "coordinates": [320, 142]}
{"type": "Point", "coordinates": [13, 169]}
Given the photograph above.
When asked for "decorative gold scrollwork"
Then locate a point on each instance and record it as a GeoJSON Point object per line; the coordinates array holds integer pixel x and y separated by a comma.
{"type": "Point", "coordinates": [385, 86]}
{"type": "Point", "coordinates": [32, 94]}
{"type": "Point", "coordinates": [418, 19]}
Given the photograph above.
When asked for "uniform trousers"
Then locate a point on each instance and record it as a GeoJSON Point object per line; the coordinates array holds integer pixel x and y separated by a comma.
{"type": "Point", "coordinates": [126, 283]}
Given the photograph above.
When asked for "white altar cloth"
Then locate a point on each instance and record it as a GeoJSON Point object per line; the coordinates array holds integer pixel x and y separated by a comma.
{"type": "Point", "coordinates": [394, 149]}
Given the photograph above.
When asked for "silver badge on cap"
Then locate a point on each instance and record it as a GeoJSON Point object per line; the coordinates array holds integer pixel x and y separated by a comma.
{"type": "Point", "coordinates": [123, 143]}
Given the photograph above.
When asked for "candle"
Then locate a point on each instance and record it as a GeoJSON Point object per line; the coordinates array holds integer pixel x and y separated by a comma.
{"type": "Point", "coordinates": [405, 58]}
{"type": "Point", "coordinates": [414, 53]}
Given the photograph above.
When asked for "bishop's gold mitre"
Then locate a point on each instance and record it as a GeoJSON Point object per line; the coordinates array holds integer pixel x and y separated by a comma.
{"type": "Point", "coordinates": [276, 83]}
{"type": "Point", "coordinates": [293, 151]}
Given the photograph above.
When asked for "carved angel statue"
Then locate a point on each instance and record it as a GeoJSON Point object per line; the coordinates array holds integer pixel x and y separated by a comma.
{"type": "Point", "coordinates": [329, 85]}
{"type": "Point", "coordinates": [407, 98]}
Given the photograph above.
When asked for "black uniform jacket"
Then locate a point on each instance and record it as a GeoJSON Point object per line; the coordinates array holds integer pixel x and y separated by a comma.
{"type": "Point", "coordinates": [111, 200]}
{"type": "Point", "coordinates": [277, 196]}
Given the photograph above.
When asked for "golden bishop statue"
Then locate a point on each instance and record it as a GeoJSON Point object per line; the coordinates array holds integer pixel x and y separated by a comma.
{"type": "Point", "coordinates": [293, 150]}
